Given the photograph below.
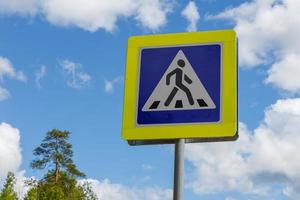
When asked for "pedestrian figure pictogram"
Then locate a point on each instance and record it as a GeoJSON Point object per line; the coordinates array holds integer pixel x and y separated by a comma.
{"type": "Point", "coordinates": [178, 82]}
{"type": "Point", "coordinates": [179, 89]}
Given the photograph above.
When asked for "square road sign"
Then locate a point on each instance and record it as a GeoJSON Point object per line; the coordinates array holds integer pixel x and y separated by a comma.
{"type": "Point", "coordinates": [181, 85]}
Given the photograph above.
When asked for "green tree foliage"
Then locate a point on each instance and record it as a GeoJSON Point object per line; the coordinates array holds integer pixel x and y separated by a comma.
{"type": "Point", "coordinates": [60, 182]}
{"type": "Point", "coordinates": [66, 188]}
{"type": "Point", "coordinates": [8, 192]}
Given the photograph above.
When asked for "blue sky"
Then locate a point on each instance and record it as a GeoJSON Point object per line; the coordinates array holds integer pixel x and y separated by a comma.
{"type": "Point", "coordinates": [63, 68]}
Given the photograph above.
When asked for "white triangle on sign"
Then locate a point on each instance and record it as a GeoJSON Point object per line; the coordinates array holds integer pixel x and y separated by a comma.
{"type": "Point", "coordinates": [179, 89]}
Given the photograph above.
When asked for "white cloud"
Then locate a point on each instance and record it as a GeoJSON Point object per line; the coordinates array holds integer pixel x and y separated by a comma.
{"type": "Point", "coordinates": [93, 15]}
{"type": "Point", "coordinates": [89, 15]}
{"type": "Point", "coordinates": [4, 94]}
{"type": "Point", "coordinates": [10, 150]}
{"type": "Point", "coordinates": [106, 190]}
{"type": "Point", "coordinates": [39, 75]}
{"type": "Point", "coordinates": [190, 12]}
{"type": "Point", "coordinates": [152, 14]}
{"type": "Point", "coordinates": [109, 85]}
{"type": "Point", "coordinates": [268, 32]}
{"type": "Point", "coordinates": [76, 78]}
{"type": "Point", "coordinates": [257, 160]}
{"type": "Point", "coordinates": [285, 73]}
{"type": "Point", "coordinates": [7, 70]}
{"type": "Point", "coordinates": [147, 167]}
{"type": "Point", "coordinates": [11, 157]}
{"type": "Point", "coordinates": [21, 7]}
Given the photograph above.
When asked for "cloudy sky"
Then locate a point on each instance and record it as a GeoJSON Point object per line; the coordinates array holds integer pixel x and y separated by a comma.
{"type": "Point", "coordinates": [62, 66]}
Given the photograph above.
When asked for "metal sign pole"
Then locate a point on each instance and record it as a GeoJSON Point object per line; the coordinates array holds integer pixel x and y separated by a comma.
{"type": "Point", "coordinates": [178, 169]}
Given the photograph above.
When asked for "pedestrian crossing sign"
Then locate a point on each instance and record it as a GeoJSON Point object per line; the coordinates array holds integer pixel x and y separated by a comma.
{"type": "Point", "coordinates": [181, 85]}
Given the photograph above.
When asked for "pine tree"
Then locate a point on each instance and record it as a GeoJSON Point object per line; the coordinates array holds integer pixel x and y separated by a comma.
{"type": "Point", "coordinates": [8, 192]}
{"type": "Point", "coordinates": [56, 151]}
{"type": "Point", "coordinates": [60, 182]}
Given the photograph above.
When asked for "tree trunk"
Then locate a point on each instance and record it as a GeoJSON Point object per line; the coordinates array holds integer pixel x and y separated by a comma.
{"type": "Point", "coordinates": [56, 163]}
{"type": "Point", "coordinates": [56, 175]}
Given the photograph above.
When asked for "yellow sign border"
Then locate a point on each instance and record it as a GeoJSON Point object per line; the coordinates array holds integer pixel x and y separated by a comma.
{"type": "Point", "coordinates": [227, 128]}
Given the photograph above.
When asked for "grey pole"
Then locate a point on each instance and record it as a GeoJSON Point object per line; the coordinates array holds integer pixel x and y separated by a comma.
{"type": "Point", "coordinates": [178, 169]}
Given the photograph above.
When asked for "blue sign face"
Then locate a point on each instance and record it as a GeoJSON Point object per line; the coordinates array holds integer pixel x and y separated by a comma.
{"type": "Point", "coordinates": [179, 85]}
